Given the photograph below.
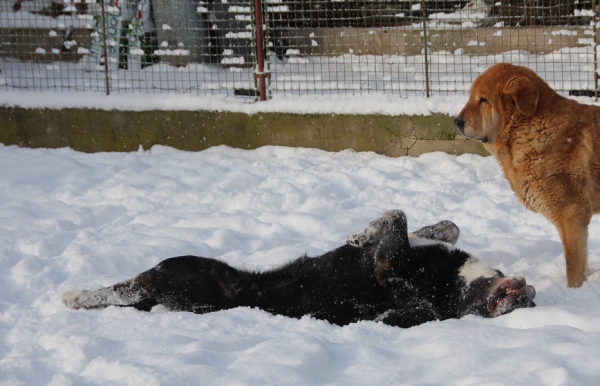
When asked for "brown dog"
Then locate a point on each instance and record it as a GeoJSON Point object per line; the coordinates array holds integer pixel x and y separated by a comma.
{"type": "Point", "coordinates": [548, 147]}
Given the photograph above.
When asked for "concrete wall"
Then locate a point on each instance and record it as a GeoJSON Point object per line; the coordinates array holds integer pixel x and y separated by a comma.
{"type": "Point", "coordinates": [23, 44]}
{"type": "Point", "coordinates": [408, 41]}
{"type": "Point", "coordinates": [90, 130]}
{"type": "Point", "coordinates": [336, 41]}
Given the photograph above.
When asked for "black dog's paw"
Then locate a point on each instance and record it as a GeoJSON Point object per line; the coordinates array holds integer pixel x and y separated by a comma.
{"type": "Point", "coordinates": [372, 232]}
{"type": "Point", "coordinates": [73, 299]}
{"type": "Point", "coordinates": [445, 231]}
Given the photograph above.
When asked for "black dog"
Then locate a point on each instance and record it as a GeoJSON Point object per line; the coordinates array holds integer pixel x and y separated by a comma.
{"type": "Point", "coordinates": [382, 274]}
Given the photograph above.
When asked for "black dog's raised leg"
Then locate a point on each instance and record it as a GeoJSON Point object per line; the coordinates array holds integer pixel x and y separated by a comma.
{"type": "Point", "coordinates": [371, 234]}
{"type": "Point", "coordinates": [445, 231]}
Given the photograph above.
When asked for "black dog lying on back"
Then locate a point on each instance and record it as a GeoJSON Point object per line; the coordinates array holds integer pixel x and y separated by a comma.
{"type": "Point", "coordinates": [382, 274]}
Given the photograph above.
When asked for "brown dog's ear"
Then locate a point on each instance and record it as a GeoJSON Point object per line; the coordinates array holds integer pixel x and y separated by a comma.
{"type": "Point", "coordinates": [524, 93]}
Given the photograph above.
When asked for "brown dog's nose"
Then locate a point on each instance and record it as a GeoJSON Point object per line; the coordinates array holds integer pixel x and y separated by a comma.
{"type": "Point", "coordinates": [458, 121]}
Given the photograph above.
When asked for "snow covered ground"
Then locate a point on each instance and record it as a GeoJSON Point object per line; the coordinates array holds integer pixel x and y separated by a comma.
{"type": "Point", "coordinates": [71, 221]}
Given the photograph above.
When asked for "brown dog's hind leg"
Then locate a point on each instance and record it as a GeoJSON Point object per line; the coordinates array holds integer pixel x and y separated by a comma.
{"type": "Point", "coordinates": [573, 230]}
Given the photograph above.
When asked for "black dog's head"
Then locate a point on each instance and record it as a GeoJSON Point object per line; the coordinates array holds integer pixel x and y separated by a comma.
{"type": "Point", "coordinates": [494, 296]}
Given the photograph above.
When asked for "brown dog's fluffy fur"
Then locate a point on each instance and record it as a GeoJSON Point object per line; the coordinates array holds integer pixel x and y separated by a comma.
{"type": "Point", "coordinates": [548, 147]}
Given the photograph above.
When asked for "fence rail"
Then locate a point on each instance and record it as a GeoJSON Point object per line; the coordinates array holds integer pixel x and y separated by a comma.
{"type": "Point", "coordinates": [208, 47]}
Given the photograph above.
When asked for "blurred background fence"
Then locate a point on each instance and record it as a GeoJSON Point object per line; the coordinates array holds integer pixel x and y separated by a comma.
{"type": "Point", "coordinates": [206, 47]}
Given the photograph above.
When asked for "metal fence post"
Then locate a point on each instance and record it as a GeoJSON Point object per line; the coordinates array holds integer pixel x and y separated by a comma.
{"type": "Point", "coordinates": [425, 47]}
{"type": "Point", "coordinates": [260, 50]}
{"type": "Point", "coordinates": [595, 24]}
{"type": "Point", "coordinates": [529, 7]}
{"type": "Point", "coordinates": [104, 50]}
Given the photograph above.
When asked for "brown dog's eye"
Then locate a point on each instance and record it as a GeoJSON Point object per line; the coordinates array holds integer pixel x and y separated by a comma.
{"type": "Point", "coordinates": [482, 101]}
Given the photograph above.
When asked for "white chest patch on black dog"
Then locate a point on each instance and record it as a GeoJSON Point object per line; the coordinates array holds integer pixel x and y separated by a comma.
{"type": "Point", "coordinates": [473, 269]}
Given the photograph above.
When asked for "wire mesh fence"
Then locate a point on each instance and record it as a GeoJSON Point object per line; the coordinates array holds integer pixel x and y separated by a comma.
{"type": "Point", "coordinates": [204, 47]}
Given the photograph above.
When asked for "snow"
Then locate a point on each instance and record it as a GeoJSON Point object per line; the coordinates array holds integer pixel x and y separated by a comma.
{"type": "Point", "coordinates": [77, 221]}
{"type": "Point", "coordinates": [313, 104]}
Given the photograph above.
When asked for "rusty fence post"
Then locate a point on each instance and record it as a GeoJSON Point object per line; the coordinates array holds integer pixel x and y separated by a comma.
{"type": "Point", "coordinates": [596, 24]}
{"type": "Point", "coordinates": [425, 46]}
{"type": "Point", "coordinates": [104, 50]}
{"type": "Point", "coordinates": [259, 73]}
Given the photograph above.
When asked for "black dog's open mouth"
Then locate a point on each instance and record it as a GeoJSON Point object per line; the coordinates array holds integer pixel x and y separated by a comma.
{"type": "Point", "coordinates": [511, 293]}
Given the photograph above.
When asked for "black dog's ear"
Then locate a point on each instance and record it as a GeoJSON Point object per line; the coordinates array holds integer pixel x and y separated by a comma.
{"type": "Point", "coordinates": [393, 245]}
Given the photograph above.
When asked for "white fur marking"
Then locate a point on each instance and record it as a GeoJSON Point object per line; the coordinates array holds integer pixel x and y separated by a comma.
{"type": "Point", "coordinates": [473, 269]}
{"type": "Point", "coordinates": [416, 241]}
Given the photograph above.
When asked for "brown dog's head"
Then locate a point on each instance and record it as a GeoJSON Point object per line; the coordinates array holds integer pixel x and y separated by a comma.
{"type": "Point", "coordinates": [496, 95]}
